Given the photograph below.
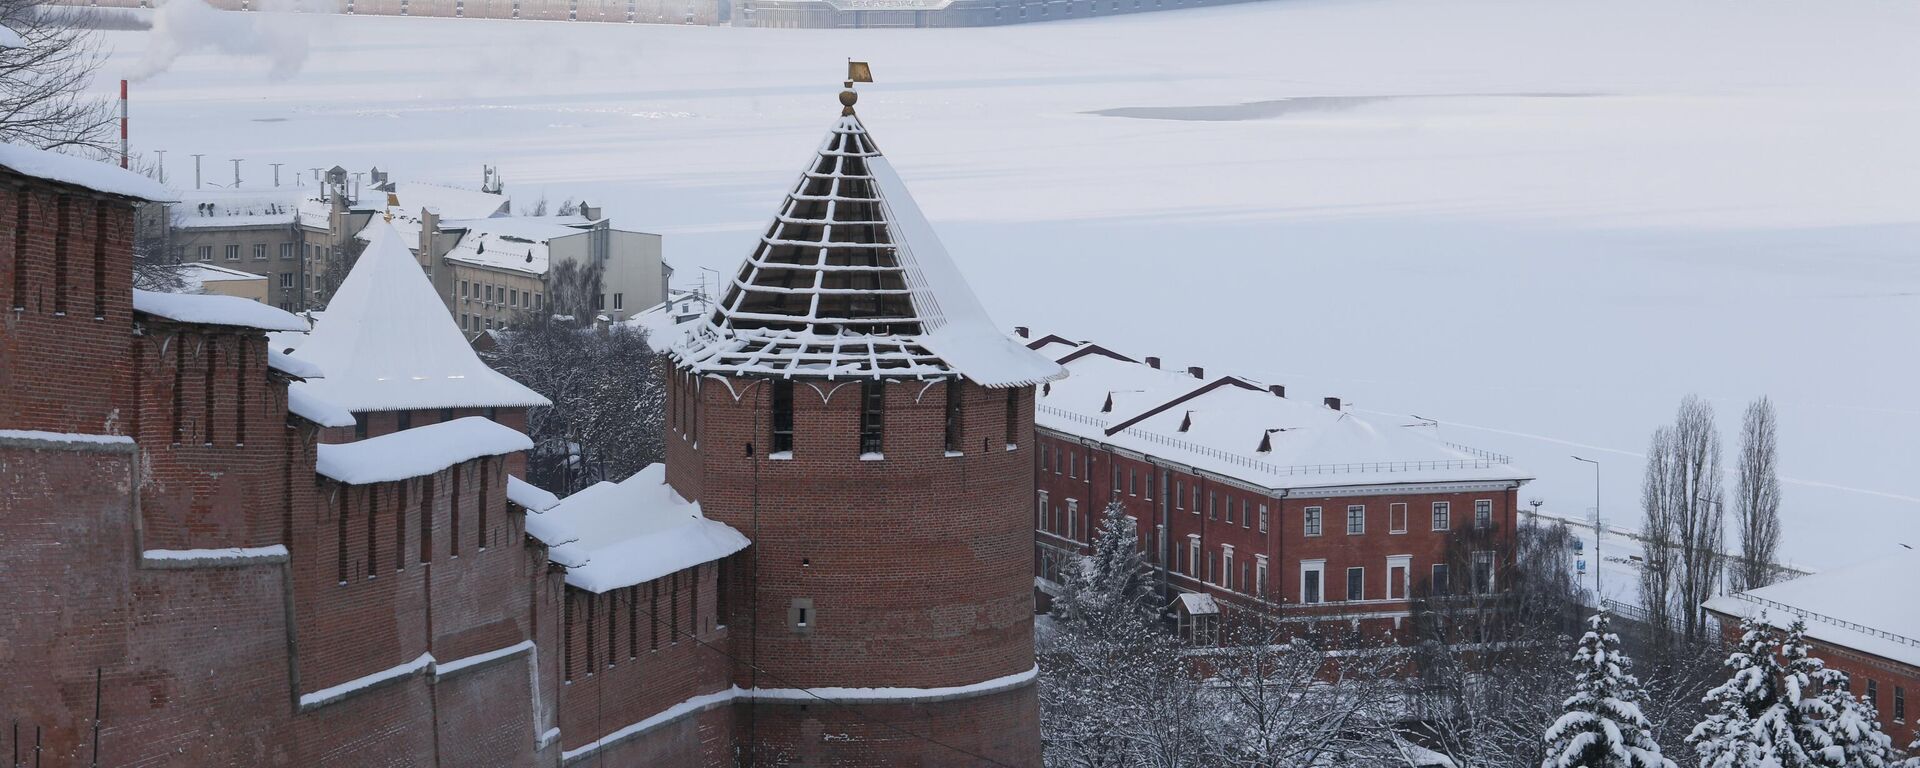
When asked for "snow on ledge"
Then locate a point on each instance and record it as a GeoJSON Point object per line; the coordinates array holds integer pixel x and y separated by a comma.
{"type": "Point", "coordinates": [211, 309]}
{"type": "Point", "coordinates": [418, 451]}
{"type": "Point", "coordinates": [613, 535]}
{"type": "Point", "coordinates": [69, 440]}
{"type": "Point", "coordinates": [293, 366]}
{"type": "Point", "coordinates": [479, 659]}
{"type": "Point", "coordinates": [708, 701]}
{"type": "Point", "coordinates": [213, 558]}
{"type": "Point", "coordinates": [78, 171]}
{"type": "Point", "coordinates": [316, 409]}
{"type": "Point", "coordinates": [530, 497]}
{"type": "Point", "coordinates": [325, 696]}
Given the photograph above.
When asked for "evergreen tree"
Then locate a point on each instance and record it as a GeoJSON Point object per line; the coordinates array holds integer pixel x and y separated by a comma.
{"type": "Point", "coordinates": [1732, 735]}
{"type": "Point", "coordinates": [1843, 725]}
{"type": "Point", "coordinates": [1603, 726]}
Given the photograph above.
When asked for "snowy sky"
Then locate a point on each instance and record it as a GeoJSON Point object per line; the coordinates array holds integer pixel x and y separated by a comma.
{"type": "Point", "coordinates": [1540, 223]}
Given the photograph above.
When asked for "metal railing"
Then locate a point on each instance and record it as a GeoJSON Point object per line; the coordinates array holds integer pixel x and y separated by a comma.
{"type": "Point", "coordinates": [1825, 619]}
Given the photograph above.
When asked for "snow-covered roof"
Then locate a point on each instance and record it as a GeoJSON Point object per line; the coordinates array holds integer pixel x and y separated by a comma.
{"type": "Point", "coordinates": [1238, 428]}
{"type": "Point", "coordinates": [663, 322]}
{"type": "Point", "coordinates": [518, 243]}
{"type": "Point", "coordinates": [530, 497]}
{"type": "Point", "coordinates": [92, 174]}
{"type": "Point", "coordinates": [417, 451]}
{"type": "Point", "coordinates": [1198, 603]}
{"type": "Point", "coordinates": [388, 343]}
{"type": "Point", "coordinates": [309, 406]}
{"type": "Point", "coordinates": [210, 309]}
{"type": "Point", "coordinates": [408, 199]}
{"type": "Point", "coordinates": [1850, 607]}
{"type": "Point", "coordinates": [613, 535]}
{"type": "Point", "coordinates": [195, 275]}
{"type": "Point", "coordinates": [299, 369]}
{"type": "Point", "coordinates": [850, 281]}
{"type": "Point", "coordinates": [206, 209]}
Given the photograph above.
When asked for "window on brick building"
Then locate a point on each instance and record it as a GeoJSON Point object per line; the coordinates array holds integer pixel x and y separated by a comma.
{"type": "Point", "coordinates": [1073, 519]}
{"type": "Point", "coordinates": [1263, 518]}
{"type": "Point", "coordinates": [1312, 521]}
{"type": "Point", "coordinates": [1441, 585]}
{"type": "Point", "coordinates": [1073, 464]}
{"type": "Point", "coordinates": [1873, 692]}
{"type": "Point", "coordinates": [1356, 519]}
{"type": "Point", "coordinates": [1229, 506]}
{"type": "Point", "coordinates": [1483, 513]}
{"type": "Point", "coordinates": [1483, 573]}
{"type": "Point", "coordinates": [1312, 575]}
{"type": "Point", "coordinates": [1260, 575]}
{"type": "Point", "coordinates": [1226, 566]}
{"type": "Point", "coordinates": [1213, 512]}
{"type": "Point", "coordinates": [1133, 482]}
{"type": "Point", "coordinates": [956, 404]}
{"type": "Point", "coordinates": [1246, 513]}
{"type": "Point", "coordinates": [1193, 554]}
{"type": "Point", "coordinates": [1442, 515]}
{"type": "Point", "coordinates": [1150, 483]}
{"type": "Point", "coordinates": [1900, 703]}
{"type": "Point", "coordinates": [1397, 517]}
{"type": "Point", "coordinates": [1041, 515]}
{"type": "Point", "coordinates": [782, 416]}
{"type": "Point", "coordinates": [1196, 498]}
{"type": "Point", "coordinates": [873, 414]}
{"type": "Point", "coordinates": [1180, 494]}
{"type": "Point", "coordinates": [1398, 567]}
{"type": "Point", "coordinates": [1356, 583]}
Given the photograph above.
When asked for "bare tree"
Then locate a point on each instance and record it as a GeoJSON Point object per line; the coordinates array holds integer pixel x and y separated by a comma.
{"type": "Point", "coordinates": [573, 290]}
{"type": "Point", "coordinates": [1275, 699]}
{"type": "Point", "coordinates": [1686, 527]}
{"type": "Point", "coordinates": [608, 399]}
{"type": "Point", "coordinates": [157, 249]}
{"type": "Point", "coordinates": [43, 84]}
{"type": "Point", "coordinates": [1757, 497]}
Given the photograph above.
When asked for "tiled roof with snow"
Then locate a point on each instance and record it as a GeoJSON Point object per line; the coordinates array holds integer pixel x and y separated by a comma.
{"type": "Point", "coordinates": [1238, 428]}
{"type": "Point", "coordinates": [388, 343]}
{"type": "Point", "coordinates": [417, 451]}
{"type": "Point", "coordinates": [1850, 607]}
{"type": "Point", "coordinates": [80, 172]}
{"type": "Point", "coordinates": [613, 535]}
{"type": "Point", "coordinates": [209, 309]}
{"type": "Point", "coordinates": [850, 281]}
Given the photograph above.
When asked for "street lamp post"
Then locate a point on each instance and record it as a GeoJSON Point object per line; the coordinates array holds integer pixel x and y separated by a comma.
{"type": "Point", "coordinates": [1599, 531]}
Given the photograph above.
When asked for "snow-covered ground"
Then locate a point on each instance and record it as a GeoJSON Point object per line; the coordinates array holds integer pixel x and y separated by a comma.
{"type": "Point", "coordinates": [1540, 223]}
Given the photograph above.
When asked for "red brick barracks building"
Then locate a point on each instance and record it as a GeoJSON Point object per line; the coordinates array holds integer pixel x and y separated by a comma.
{"type": "Point", "coordinates": [217, 552]}
{"type": "Point", "coordinates": [1247, 499]}
{"type": "Point", "coordinates": [1862, 620]}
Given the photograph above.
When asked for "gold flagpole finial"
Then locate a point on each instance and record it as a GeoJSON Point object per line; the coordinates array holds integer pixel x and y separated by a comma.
{"type": "Point", "coordinates": [857, 72]}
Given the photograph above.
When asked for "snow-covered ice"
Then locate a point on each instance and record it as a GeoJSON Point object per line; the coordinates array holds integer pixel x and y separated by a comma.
{"type": "Point", "coordinates": [1538, 223]}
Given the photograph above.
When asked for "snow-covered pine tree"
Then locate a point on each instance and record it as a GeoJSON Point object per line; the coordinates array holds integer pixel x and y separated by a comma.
{"type": "Point", "coordinates": [1603, 726]}
{"type": "Point", "coordinates": [1732, 735]}
{"type": "Point", "coordinates": [1836, 727]}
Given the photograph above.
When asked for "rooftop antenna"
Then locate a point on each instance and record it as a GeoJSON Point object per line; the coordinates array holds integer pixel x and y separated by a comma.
{"type": "Point", "coordinates": [196, 170]}
{"type": "Point", "coordinates": [276, 172]}
{"type": "Point", "coordinates": [857, 72]}
{"type": "Point", "coordinates": [236, 173]}
{"type": "Point", "coordinates": [162, 164]}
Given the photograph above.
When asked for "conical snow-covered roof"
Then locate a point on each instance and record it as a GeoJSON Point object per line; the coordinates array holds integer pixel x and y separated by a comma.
{"type": "Point", "coordinates": [387, 343]}
{"type": "Point", "coordinates": [850, 281]}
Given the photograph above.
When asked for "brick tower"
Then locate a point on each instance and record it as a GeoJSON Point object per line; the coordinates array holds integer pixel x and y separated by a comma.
{"type": "Point", "coordinates": [850, 407]}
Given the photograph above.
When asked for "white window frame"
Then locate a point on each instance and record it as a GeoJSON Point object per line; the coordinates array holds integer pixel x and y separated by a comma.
{"type": "Point", "coordinates": [1043, 512]}
{"type": "Point", "coordinates": [1404, 513]}
{"type": "Point", "coordinates": [1260, 575]}
{"type": "Point", "coordinates": [259, 251]}
{"type": "Point", "coordinates": [1193, 555]}
{"type": "Point", "coordinates": [1318, 567]}
{"type": "Point", "coordinates": [1362, 509]}
{"type": "Point", "coordinates": [1443, 511]}
{"type": "Point", "coordinates": [1226, 566]}
{"type": "Point", "coordinates": [1363, 583]}
{"type": "Point", "coordinates": [1263, 518]}
{"type": "Point", "coordinates": [233, 252]}
{"type": "Point", "coordinates": [1403, 589]}
{"type": "Point", "coordinates": [1073, 519]}
{"type": "Point", "coordinates": [1313, 521]}
{"type": "Point", "coordinates": [1482, 514]}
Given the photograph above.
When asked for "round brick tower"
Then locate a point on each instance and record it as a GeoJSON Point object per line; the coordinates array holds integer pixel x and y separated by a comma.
{"type": "Point", "coordinates": [851, 408]}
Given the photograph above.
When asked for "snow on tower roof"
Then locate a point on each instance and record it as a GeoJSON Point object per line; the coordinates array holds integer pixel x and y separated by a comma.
{"type": "Point", "coordinates": [613, 535]}
{"type": "Point", "coordinates": [850, 281]}
{"type": "Point", "coordinates": [213, 309]}
{"type": "Point", "coordinates": [1847, 607]}
{"type": "Point", "coordinates": [81, 172]}
{"type": "Point", "coordinates": [417, 451]}
{"type": "Point", "coordinates": [387, 342]}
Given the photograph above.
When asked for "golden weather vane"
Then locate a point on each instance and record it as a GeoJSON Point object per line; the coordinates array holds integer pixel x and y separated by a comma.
{"type": "Point", "coordinates": [857, 72]}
